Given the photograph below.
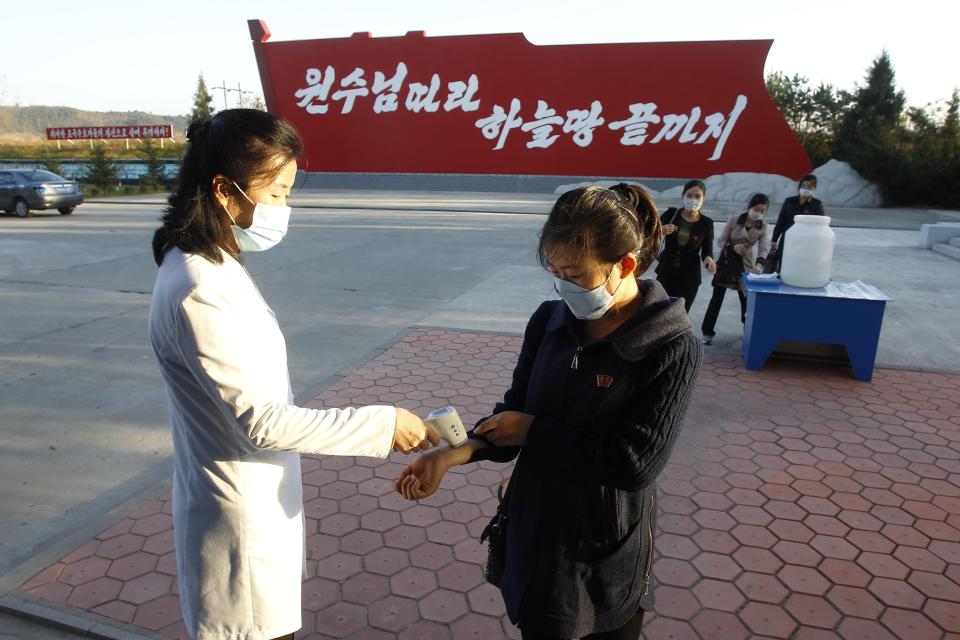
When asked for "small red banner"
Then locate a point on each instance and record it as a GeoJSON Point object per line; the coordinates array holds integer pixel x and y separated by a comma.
{"type": "Point", "coordinates": [137, 131]}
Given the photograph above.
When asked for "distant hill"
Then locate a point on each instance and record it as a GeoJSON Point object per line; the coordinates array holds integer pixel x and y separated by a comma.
{"type": "Point", "coordinates": [30, 123]}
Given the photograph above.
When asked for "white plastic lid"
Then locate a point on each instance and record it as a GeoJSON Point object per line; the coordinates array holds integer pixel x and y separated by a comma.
{"type": "Point", "coordinates": [823, 220]}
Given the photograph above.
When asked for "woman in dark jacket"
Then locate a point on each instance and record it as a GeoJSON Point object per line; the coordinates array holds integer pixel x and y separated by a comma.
{"type": "Point", "coordinates": [598, 397]}
{"type": "Point", "coordinates": [689, 241]}
{"type": "Point", "coordinates": [801, 204]}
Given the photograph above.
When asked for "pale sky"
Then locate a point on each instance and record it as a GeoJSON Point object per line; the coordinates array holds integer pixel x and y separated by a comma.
{"type": "Point", "coordinates": [117, 56]}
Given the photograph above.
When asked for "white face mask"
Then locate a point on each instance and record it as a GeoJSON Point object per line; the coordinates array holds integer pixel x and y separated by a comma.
{"type": "Point", "coordinates": [806, 193]}
{"type": "Point", "coordinates": [268, 228]}
{"type": "Point", "coordinates": [585, 304]}
{"type": "Point", "coordinates": [754, 214]}
{"type": "Point", "coordinates": [692, 204]}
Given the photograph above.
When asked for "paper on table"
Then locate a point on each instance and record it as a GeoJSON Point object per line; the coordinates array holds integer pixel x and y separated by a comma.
{"type": "Point", "coordinates": [763, 278]}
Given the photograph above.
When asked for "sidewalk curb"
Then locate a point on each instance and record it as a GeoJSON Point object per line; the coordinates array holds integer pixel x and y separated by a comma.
{"type": "Point", "coordinates": [87, 624]}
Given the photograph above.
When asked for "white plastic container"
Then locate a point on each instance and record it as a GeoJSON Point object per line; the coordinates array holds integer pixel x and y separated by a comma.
{"type": "Point", "coordinates": [808, 252]}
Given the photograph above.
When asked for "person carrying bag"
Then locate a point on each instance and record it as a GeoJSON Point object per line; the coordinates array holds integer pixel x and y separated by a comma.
{"type": "Point", "coordinates": [740, 235]}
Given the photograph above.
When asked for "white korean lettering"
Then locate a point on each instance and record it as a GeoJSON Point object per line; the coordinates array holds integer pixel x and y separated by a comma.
{"type": "Point", "coordinates": [499, 123]}
{"type": "Point", "coordinates": [386, 89]}
{"type": "Point", "coordinates": [461, 95]}
{"type": "Point", "coordinates": [720, 128]}
{"type": "Point", "coordinates": [673, 123]}
{"type": "Point", "coordinates": [420, 97]}
{"type": "Point", "coordinates": [582, 122]}
{"type": "Point", "coordinates": [354, 86]}
{"type": "Point", "coordinates": [317, 90]}
{"type": "Point", "coordinates": [643, 114]}
{"type": "Point", "coordinates": [542, 127]}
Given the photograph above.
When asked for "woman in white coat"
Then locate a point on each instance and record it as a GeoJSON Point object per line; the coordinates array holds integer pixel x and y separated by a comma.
{"type": "Point", "coordinates": [237, 436]}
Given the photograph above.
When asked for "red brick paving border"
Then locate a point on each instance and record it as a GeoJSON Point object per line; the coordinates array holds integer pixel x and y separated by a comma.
{"type": "Point", "coordinates": [799, 503]}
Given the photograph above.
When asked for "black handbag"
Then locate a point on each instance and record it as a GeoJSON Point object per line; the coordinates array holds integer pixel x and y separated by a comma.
{"type": "Point", "coordinates": [495, 534]}
{"type": "Point", "coordinates": [729, 268]}
{"type": "Point", "coordinates": [772, 265]}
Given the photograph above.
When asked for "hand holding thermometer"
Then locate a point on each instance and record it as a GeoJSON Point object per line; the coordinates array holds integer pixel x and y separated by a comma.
{"type": "Point", "coordinates": [448, 424]}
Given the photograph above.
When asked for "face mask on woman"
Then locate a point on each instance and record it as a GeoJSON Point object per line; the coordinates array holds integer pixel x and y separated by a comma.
{"type": "Point", "coordinates": [585, 304]}
{"type": "Point", "coordinates": [268, 228]}
{"type": "Point", "coordinates": [755, 214]}
{"type": "Point", "coordinates": [806, 193]}
{"type": "Point", "coordinates": [692, 204]}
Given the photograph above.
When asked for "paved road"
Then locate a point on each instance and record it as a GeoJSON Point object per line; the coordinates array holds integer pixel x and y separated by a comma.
{"type": "Point", "coordinates": [861, 218]}
{"type": "Point", "coordinates": [83, 428]}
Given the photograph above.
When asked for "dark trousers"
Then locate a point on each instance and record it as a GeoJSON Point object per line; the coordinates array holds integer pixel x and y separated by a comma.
{"type": "Point", "coordinates": [713, 309]}
{"type": "Point", "coordinates": [629, 631]}
{"type": "Point", "coordinates": [673, 283]}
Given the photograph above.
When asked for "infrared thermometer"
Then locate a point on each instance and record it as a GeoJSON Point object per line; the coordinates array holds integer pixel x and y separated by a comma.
{"type": "Point", "coordinates": [448, 424]}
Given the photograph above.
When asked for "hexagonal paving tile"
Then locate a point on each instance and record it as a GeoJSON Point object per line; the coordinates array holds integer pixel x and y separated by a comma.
{"type": "Point", "coordinates": [828, 508]}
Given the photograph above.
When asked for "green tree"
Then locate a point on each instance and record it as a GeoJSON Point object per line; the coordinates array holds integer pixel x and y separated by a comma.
{"type": "Point", "coordinates": [793, 97]}
{"type": "Point", "coordinates": [812, 113]}
{"type": "Point", "coordinates": [155, 168]}
{"type": "Point", "coordinates": [202, 103]}
{"type": "Point", "coordinates": [52, 164]}
{"type": "Point", "coordinates": [101, 171]}
{"type": "Point", "coordinates": [870, 133]}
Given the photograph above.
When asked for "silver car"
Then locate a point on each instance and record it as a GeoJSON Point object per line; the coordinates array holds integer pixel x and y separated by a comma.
{"type": "Point", "coordinates": [22, 190]}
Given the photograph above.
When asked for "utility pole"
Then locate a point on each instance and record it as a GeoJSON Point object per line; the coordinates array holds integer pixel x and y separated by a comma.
{"type": "Point", "coordinates": [240, 93]}
{"type": "Point", "coordinates": [225, 88]}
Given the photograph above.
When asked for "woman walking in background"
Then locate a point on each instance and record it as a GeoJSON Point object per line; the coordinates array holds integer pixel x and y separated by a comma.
{"type": "Point", "coordinates": [805, 204]}
{"type": "Point", "coordinates": [688, 243]}
{"type": "Point", "coordinates": [740, 235]}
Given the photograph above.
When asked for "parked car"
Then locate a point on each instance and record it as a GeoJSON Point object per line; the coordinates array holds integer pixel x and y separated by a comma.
{"type": "Point", "coordinates": [22, 190]}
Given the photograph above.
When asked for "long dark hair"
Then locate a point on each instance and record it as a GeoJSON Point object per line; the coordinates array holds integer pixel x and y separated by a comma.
{"type": "Point", "coordinates": [605, 224]}
{"type": "Point", "coordinates": [247, 146]}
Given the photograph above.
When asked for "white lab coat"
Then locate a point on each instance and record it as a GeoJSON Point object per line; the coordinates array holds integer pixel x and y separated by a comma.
{"type": "Point", "coordinates": [237, 494]}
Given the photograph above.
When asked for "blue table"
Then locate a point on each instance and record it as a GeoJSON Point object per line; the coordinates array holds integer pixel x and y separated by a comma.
{"type": "Point", "coordinates": [841, 313]}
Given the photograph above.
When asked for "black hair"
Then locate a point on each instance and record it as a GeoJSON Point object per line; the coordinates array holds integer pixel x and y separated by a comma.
{"type": "Point", "coordinates": [605, 224]}
{"type": "Point", "coordinates": [809, 177]}
{"type": "Point", "coordinates": [758, 198]}
{"type": "Point", "coordinates": [690, 184]}
{"type": "Point", "coordinates": [247, 146]}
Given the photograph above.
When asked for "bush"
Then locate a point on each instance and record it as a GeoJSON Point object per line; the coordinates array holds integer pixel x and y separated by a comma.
{"type": "Point", "coordinates": [101, 171]}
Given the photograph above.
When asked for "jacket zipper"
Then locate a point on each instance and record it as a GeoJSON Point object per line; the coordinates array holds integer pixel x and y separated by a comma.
{"type": "Point", "coordinates": [646, 575]}
{"type": "Point", "coordinates": [576, 357]}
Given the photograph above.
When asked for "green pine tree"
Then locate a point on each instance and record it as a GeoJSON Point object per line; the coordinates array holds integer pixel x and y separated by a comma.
{"type": "Point", "coordinates": [870, 132]}
{"type": "Point", "coordinates": [155, 170]}
{"type": "Point", "coordinates": [101, 171]}
{"type": "Point", "coordinates": [52, 164]}
{"type": "Point", "coordinates": [202, 103]}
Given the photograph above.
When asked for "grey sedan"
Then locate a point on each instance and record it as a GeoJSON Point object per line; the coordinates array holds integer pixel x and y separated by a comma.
{"type": "Point", "coordinates": [22, 190]}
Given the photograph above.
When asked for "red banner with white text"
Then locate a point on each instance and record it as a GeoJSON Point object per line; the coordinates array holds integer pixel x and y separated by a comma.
{"type": "Point", "coordinates": [497, 104]}
{"type": "Point", "coordinates": [134, 131]}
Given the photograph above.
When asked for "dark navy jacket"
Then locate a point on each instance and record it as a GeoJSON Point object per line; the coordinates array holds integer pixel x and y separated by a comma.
{"type": "Point", "coordinates": [687, 261]}
{"type": "Point", "coordinates": [582, 500]}
{"type": "Point", "coordinates": [792, 208]}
